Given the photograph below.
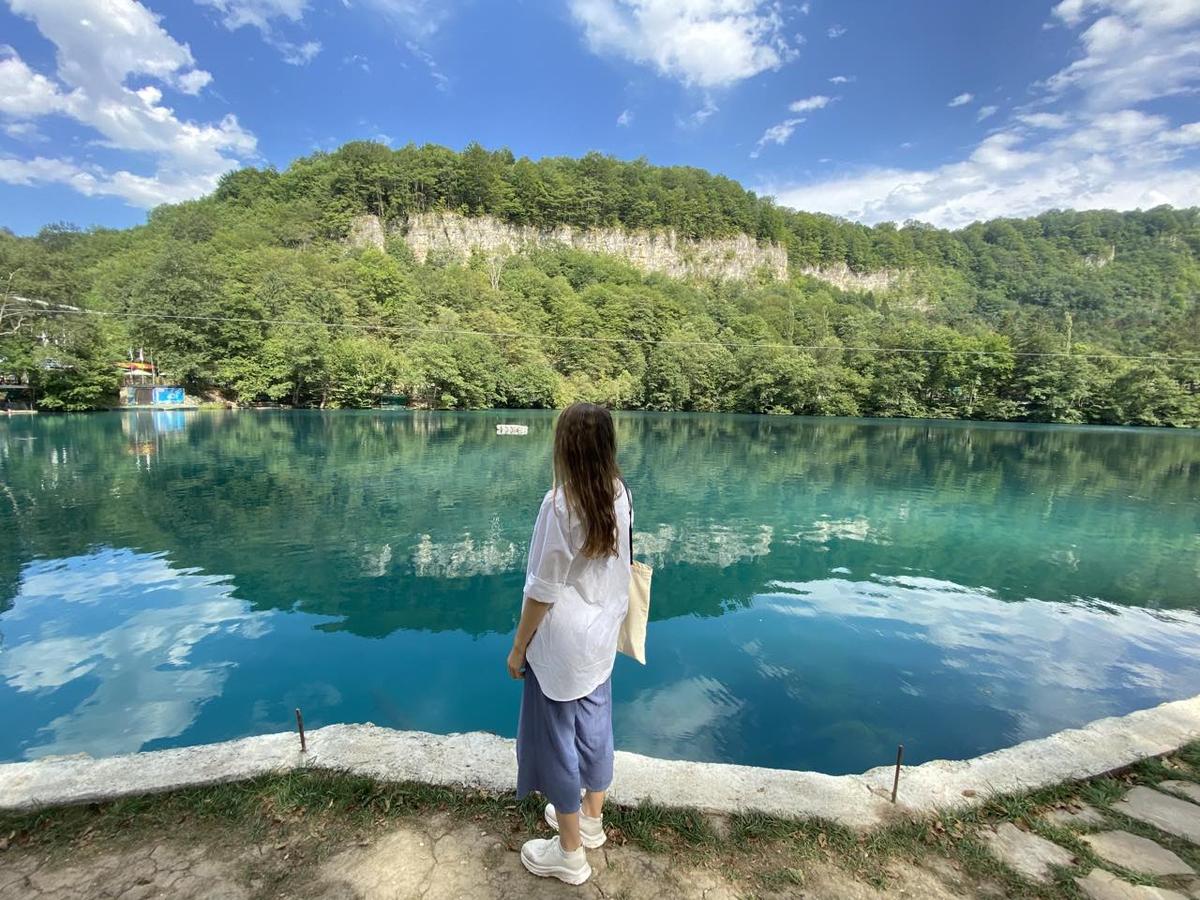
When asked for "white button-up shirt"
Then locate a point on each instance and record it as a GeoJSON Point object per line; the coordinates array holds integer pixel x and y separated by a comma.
{"type": "Point", "coordinates": [574, 648]}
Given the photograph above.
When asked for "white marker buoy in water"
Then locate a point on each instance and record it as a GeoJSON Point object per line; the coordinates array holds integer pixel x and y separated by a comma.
{"type": "Point", "coordinates": [512, 429]}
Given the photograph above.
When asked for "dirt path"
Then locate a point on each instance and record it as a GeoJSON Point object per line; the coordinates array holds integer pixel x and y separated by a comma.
{"type": "Point", "coordinates": [1130, 836]}
{"type": "Point", "coordinates": [442, 860]}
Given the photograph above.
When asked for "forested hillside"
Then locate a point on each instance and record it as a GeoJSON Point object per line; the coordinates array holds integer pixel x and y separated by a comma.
{"type": "Point", "coordinates": [253, 294]}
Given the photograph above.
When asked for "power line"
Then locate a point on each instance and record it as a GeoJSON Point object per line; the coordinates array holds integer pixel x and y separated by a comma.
{"type": "Point", "coordinates": [517, 335]}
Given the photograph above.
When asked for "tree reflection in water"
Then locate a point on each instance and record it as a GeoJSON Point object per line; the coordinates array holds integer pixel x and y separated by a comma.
{"type": "Point", "coordinates": [803, 567]}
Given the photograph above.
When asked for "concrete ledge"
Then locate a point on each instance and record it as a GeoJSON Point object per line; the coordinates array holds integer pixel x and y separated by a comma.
{"type": "Point", "coordinates": [1094, 749]}
{"type": "Point", "coordinates": [489, 762]}
{"type": "Point", "coordinates": [60, 780]}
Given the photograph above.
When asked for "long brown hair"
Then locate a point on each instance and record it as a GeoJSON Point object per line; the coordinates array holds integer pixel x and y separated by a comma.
{"type": "Point", "coordinates": [585, 465]}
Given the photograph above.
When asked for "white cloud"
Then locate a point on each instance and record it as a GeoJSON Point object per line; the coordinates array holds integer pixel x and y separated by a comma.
{"type": "Point", "coordinates": [702, 115]}
{"type": "Point", "coordinates": [1097, 151]}
{"type": "Point", "coordinates": [103, 46]}
{"type": "Point", "coordinates": [40, 169]}
{"type": "Point", "coordinates": [705, 43]}
{"type": "Point", "coordinates": [1133, 51]}
{"type": "Point", "coordinates": [418, 19]}
{"type": "Point", "coordinates": [776, 134]}
{"type": "Point", "coordinates": [415, 19]}
{"type": "Point", "coordinates": [1053, 121]}
{"type": "Point", "coordinates": [1186, 135]}
{"type": "Point", "coordinates": [299, 54]}
{"type": "Point", "coordinates": [819, 101]}
{"type": "Point", "coordinates": [986, 112]}
{"type": "Point", "coordinates": [836, 32]}
{"type": "Point", "coordinates": [256, 13]}
{"type": "Point", "coordinates": [961, 100]}
{"type": "Point", "coordinates": [780, 134]}
{"type": "Point", "coordinates": [439, 79]}
{"type": "Point", "coordinates": [805, 9]}
{"type": "Point", "coordinates": [107, 39]}
{"type": "Point", "coordinates": [262, 14]}
{"type": "Point", "coordinates": [841, 79]}
{"type": "Point", "coordinates": [24, 131]}
{"type": "Point", "coordinates": [1123, 162]}
{"type": "Point", "coordinates": [23, 92]}
{"type": "Point", "coordinates": [625, 119]}
{"type": "Point", "coordinates": [194, 82]}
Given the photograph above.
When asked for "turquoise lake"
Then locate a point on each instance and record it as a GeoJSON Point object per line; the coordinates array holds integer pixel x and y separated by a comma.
{"type": "Point", "coordinates": [824, 589]}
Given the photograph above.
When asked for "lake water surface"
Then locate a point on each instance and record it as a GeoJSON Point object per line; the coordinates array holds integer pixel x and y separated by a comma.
{"type": "Point", "coordinates": [824, 589]}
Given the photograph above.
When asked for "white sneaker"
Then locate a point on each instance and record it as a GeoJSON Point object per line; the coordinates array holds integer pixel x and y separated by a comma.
{"type": "Point", "coordinates": [591, 831]}
{"type": "Point", "coordinates": [548, 859]}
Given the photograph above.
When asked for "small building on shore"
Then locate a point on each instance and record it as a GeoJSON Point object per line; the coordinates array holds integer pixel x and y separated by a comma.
{"type": "Point", "coordinates": [16, 396]}
{"type": "Point", "coordinates": [142, 388]}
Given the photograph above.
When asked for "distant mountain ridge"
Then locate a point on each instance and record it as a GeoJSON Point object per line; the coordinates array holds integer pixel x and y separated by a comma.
{"type": "Point", "coordinates": [478, 279]}
{"type": "Point", "coordinates": [601, 192]}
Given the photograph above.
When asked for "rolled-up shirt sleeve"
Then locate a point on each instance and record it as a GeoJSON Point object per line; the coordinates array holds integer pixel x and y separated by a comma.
{"type": "Point", "coordinates": [550, 555]}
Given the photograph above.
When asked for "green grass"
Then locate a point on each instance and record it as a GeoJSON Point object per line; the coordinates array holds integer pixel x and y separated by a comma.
{"type": "Point", "coordinates": [332, 802]}
{"type": "Point", "coordinates": [329, 809]}
{"type": "Point", "coordinates": [654, 827]}
{"type": "Point", "coordinates": [782, 879]}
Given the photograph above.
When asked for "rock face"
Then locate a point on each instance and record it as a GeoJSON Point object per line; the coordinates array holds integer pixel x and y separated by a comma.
{"type": "Point", "coordinates": [737, 257]}
{"type": "Point", "coordinates": [842, 276]}
{"type": "Point", "coordinates": [366, 231]}
{"type": "Point", "coordinates": [455, 236]}
{"type": "Point", "coordinates": [1102, 259]}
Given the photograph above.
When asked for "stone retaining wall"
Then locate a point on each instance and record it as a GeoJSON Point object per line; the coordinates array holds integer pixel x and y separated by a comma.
{"type": "Point", "coordinates": [489, 762]}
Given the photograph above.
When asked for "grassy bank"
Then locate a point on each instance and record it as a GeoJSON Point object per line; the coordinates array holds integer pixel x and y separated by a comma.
{"type": "Point", "coordinates": [308, 816]}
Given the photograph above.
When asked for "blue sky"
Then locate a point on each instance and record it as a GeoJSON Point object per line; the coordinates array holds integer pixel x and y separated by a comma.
{"type": "Point", "coordinates": [941, 110]}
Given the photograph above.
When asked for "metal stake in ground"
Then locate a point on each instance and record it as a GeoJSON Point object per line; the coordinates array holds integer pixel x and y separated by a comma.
{"type": "Point", "coordinates": [304, 747]}
{"type": "Point", "coordinates": [895, 781]}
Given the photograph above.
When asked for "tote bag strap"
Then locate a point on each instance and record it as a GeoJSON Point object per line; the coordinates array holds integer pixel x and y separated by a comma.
{"type": "Point", "coordinates": [629, 499]}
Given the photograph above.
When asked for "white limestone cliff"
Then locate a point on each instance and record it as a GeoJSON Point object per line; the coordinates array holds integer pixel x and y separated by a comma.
{"type": "Point", "coordinates": [454, 236]}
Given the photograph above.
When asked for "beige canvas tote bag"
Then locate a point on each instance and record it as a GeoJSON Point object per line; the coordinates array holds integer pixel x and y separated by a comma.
{"type": "Point", "coordinates": [632, 640]}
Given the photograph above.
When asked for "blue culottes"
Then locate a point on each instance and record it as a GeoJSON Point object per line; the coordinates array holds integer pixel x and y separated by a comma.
{"type": "Point", "coordinates": [563, 746]}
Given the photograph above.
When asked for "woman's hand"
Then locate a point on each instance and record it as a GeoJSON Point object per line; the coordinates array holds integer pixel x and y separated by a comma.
{"type": "Point", "coordinates": [516, 662]}
{"type": "Point", "coordinates": [532, 613]}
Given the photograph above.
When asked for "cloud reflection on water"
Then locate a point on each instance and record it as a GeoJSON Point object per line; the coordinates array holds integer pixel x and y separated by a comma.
{"type": "Point", "coordinates": [135, 645]}
{"type": "Point", "coordinates": [684, 717]}
{"type": "Point", "coordinates": [1051, 665]}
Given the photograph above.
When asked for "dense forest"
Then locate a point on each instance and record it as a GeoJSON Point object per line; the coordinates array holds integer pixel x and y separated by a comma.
{"type": "Point", "coordinates": [254, 295]}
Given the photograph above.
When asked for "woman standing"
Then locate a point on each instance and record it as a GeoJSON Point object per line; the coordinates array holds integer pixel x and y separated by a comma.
{"type": "Point", "coordinates": [576, 596]}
